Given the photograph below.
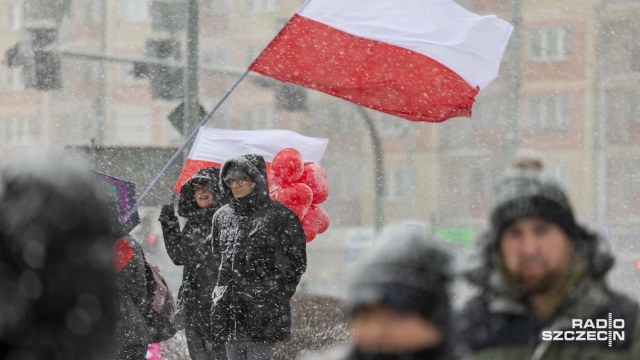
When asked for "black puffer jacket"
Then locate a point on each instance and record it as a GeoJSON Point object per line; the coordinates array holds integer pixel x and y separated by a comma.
{"type": "Point", "coordinates": [191, 248]}
{"type": "Point", "coordinates": [131, 294]}
{"type": "Point", "coordinates": [263, 256]}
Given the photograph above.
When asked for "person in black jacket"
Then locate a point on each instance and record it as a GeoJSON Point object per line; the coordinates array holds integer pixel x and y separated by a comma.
{"type": "Point", "coordinates": [132, 335]}
{"type": "Point", "coordinates": [398, 301]}
{"type": "Point", "coordinates": [263, 255]}
{"type": "Point", "coordinates": [200, 197]}
{"type": "Point", "coordinates": [57, 287]}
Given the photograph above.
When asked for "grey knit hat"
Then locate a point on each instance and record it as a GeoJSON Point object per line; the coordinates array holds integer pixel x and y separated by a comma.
{"type": "Point", "coordinates": [408, 271]}
{"type": "Point", "coordinates": [522, 193]}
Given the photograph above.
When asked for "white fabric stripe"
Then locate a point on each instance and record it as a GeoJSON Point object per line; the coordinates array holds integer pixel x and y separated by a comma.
{"type": "Point", "coordinates": [218, 145]}
{"type": "Point", "coordinates": [469, 44]}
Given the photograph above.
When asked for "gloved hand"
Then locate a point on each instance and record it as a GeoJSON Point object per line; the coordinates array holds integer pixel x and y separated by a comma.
{"type": "Point", "coordinates": [167, 215]}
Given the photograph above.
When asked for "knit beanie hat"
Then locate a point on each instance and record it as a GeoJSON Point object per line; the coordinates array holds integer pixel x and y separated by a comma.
{"type": "Point", "coordinates": [407, 271]}
{"type": "Point", "coordinates": [523, 193]}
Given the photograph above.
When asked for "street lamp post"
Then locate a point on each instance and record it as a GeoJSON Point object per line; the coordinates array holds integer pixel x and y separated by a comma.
{"type": "Point", "coordinates": [191, 74]}
{"type": "Point", "coordinates": [379, 171]}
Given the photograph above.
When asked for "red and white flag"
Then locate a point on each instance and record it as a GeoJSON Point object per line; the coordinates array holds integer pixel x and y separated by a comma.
{"type": "Point", "coordinates": [212, 147]}
{"type": "Point", "coordinates": [422, 60]}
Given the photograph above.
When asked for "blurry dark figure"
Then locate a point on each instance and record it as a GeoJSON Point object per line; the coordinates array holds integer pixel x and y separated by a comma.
{"type": "Point", "coordinates": [398, 301]}
{"type": "Point", "coordinates": [200, 197]}
{"type": "Point", "coordinates": [56, 267]}
{"type": "Point", "coordinates": [537, 270]}
{"type": "Point", "coordinates": [132, 335]}
{"type": "Point", "coordinates": [263, 255]}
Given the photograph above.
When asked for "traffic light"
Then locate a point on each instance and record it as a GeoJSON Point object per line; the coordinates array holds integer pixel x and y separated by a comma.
{"type": "Point", "coordinates": [40, 66]}
{"type": "Point", "coordinates": [166, 81]}
{"type": "Point", "coordinates": [12, 56]}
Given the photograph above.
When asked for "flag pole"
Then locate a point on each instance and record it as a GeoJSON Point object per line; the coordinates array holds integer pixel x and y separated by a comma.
{"type": "Point", "coordinates": [182, 147]}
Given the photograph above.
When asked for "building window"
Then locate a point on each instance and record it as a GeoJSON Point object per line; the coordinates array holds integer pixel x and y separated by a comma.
{"type": "Point", "coordinates": [394, 185]}
{"type": "Point", "coordinates": [89, 12]}
{"type": "Point", "coordinates": [550, 44]}
{"type": "Point", "coordinates": [13, 79]}
{"type": "Point", "coordinates": [14, 17]}
{"type": "Point", "coordinates": [491, 111]}
{"type": "Point", "coordinates": [134, 11]}
{"type": "Point", "coordinates": [263, 6]}
{"type": "Point", "coordinates": [16, 132]}
{"type": "Point", "coordinates": [549, 113]}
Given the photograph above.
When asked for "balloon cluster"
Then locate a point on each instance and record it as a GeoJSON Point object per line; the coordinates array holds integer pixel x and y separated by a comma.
{"type": "Point", "coordinates": [301, 187]}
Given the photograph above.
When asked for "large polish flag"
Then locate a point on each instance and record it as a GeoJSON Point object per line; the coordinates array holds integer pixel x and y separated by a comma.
{"type": "Point", "coordinates": [212, 147]}
{"type": "Point", "coordinates": [422, 60]}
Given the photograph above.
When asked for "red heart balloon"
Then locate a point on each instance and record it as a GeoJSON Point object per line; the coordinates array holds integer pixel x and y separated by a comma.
{"type": "Point", "coordinates": [315, 177]}
{"type": "Point", "coordinates": [296, 196]}
{"type": "Point", "coordinates": [286, 167]}
{"type": "Point", "coordinates": [319, 217]}
{"type": "Point", "coordinates": [310, 227]}
{"type": "Point", "coordinates": [322, 220]}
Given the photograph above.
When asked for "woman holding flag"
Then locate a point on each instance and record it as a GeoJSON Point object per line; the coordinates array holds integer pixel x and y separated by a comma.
{"type": "Point", "coordinates": [200, 197]}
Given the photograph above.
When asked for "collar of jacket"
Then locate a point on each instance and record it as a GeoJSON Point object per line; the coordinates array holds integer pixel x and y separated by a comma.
{"type": "Point", "coordinates": [206, 213]}
{"type": "Point", "coordinates": [583, 296]}
{"type": "Point", "coordinates": [482, 270]}
{"type": "Point", "coordinates": [248, 204]}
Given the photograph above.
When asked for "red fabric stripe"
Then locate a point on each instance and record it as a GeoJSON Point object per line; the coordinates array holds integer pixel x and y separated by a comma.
{"type": "Point", "coordinates": [371, 73]}
{"type": "Point", "coordinates": [122, 254]}
{"type": "Point", "coordinates": [192, 166]}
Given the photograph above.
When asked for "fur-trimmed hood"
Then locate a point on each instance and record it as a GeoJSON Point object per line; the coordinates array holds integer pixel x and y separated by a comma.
{"type": "Point", "coordinates": [209, 178]}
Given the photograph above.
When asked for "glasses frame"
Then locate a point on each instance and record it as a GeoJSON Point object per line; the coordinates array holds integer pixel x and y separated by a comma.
{"type": "Point", "coordinates": [240, 181]}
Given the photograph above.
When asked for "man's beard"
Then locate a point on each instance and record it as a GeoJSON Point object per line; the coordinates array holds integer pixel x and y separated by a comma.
{"type": "Point", "coordinates": [539, 284]}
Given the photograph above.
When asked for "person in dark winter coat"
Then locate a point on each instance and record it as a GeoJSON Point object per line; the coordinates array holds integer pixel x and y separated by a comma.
{"type": "Point", "coordinates": [200, 198]}
{"type": "Point", "coordinates": [57, 288]}
{"type": "Point", "coordinates": [132, 335]}
{"type": "Point", "coordinates": [263, 255]}
{"type": "Point", "coordinates": [398, 301]}
{"type": "Point", "coordinates": [537, 270]}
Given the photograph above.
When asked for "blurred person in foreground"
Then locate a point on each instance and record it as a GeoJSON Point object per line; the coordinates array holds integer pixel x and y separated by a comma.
{"type": "Point", "coordinates": [57, 281]}
{"type": "Point", "coordinates": [263, 255]}
{"type": "Point", "coordinates": [398, 301]}
{"type": "Point", "coordinates": [200, 198]}
{"type": "Point", "coordinates": [133, 334]}
{"type": "Point", "coordinates": [537, 271]}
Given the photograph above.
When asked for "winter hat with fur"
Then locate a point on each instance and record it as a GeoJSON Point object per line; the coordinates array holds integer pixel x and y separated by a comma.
{"type": "Point", "coordinates": [526, 191]}
{"type": "Point", "coordinates": [407, 271]}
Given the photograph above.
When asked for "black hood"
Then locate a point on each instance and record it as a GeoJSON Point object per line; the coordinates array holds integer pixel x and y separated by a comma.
{"type": "Point", "coordinates": [209, 178]}
{"type": "Point", "coordinates": [406, 270]}
{"type": "Point", "coordinates": [254, 166]}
